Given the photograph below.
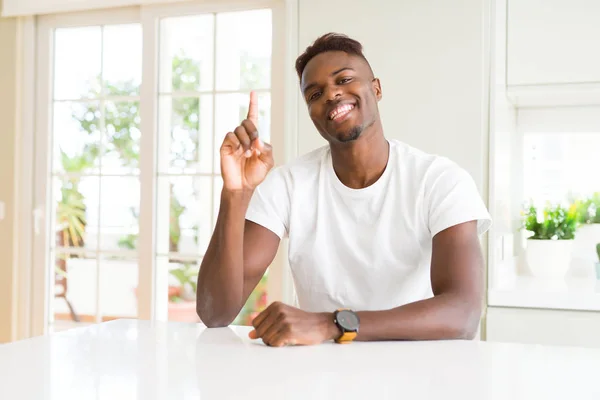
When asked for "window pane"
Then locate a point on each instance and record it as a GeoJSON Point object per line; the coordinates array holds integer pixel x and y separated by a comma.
{"type": "Point", "coordinates": [185, 134]}
{"type": "Point", "coordinates": [217, 188]}
{"type": "Point", "coordinates": [74, 288]}
{"type": "Point", "coordinates": [244, 50]}
{"type": "Point", "coordinates": [118, 287]}
{"type": "Point", "coordinates": [188, 213]}
{"type": "Point", "coordinates": [119, 214]}
{"type": "Point", "coordinates": [77, 62]}
{"type": "Point", "coordinates": [186, 53]}
{"type": "Point", "coordinates": [122, 59]}
{"type": "Point", "coordinates": [76, 137]}
{"type": "Point", "coordinates": [76, 212]}
{"type": "Point", "coordinates": [231, 110]}
{"type": "Point", "coordinates": [122, 153]}
{"type": "Point", "coordinates": [183, 275]}
{"type": "Point", "coordinates": [558, 167]}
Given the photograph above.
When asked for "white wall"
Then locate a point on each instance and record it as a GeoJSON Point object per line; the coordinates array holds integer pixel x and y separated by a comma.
{"type": "Point", "coordinates": [430, 56]}
{"type": "Point", "coordinates": [38, 7]}
{"type": "Point", "coordinates": [9, 117]}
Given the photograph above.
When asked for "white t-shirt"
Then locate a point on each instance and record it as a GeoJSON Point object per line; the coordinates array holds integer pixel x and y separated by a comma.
{"type": "Point", "coordinates": [365, 249]}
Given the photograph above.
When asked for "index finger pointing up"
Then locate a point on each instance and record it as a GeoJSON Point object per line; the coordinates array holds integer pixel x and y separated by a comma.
{"type": "Point", "coordinates": [253, 109]}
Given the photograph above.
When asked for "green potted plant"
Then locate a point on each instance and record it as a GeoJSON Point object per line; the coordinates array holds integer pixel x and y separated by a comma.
{"type": "Point", "coordinates": [588, 209]}
{"type": "Point", "coordinates": [598, 261]}
{"type": "Point", "coordinates": [550, 245]}
{"type": "Point", "coordinates": [588, 232]}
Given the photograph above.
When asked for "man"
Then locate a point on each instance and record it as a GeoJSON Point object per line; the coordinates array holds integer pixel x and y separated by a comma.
{"type": "Point", "coordinates": [383, 238]}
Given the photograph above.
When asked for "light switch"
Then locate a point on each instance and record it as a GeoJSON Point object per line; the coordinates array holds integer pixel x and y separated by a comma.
{"type": "Point", "coordinates": [1, 210]}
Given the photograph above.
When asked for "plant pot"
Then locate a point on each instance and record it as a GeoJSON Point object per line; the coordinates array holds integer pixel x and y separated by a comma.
{"type": "Point", "coordinates": [598, 271]}
{"type": "Point", "coordinates": [549, 258]}
{"type": "Point", "coordinates": [586, 238]}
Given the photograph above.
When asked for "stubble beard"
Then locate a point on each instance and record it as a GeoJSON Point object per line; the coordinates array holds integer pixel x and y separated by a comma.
{"type": "Point", "coordinates": [351, 135]}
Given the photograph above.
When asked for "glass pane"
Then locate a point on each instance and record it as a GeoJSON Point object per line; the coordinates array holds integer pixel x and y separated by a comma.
{"type": "Point", "coordinates": [76, 212]}
{"type": "Point", "coordinates": [77, 62]}
{"type": "Point", "coordinates": [183, 275]}
{"type": "Point", "coordinates": [118, 287]}
{"type": "Point", "coordinates": [119, 214]}
{"type": "Point", "coordinates": [74, 289]}
{"type": "Point", "coordinates": [186, 53]}
{"type": "Point", "coordinates": [557, 166]}
{"type": "Point", "coordinates": [76, 135]}
{"type": "Point", "coordinates": [231, 110]}
{"type": "Point", "coordinates": [189, 213]}
{"type": "Point", "coordinates": [122, 59]}
{"type": "Point", "coordinates": [244, 50]}
{"type": "Point", "coordinates": [122, 154]}
{"type": "Point", "coordinates": [217, 188]}
{"type": "Point", "coordinates": [185, 134]}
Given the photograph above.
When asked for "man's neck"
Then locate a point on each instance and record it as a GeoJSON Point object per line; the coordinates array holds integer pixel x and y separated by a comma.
{"type": "Point", "coordinates": [361, 163]}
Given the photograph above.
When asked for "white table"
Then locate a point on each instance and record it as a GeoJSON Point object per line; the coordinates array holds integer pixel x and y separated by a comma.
{"type": "Point", "coordinates": [140, 360]}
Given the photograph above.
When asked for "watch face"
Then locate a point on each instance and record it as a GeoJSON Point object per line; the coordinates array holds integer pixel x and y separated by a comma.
{"type": "Point", "coordinates": [348, 320]}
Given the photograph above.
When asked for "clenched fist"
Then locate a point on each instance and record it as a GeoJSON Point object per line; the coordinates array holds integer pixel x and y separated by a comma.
{"type": "Point", "coordinates": [283, 325]}
{"type": "Point", "coordinates": [245, 159]}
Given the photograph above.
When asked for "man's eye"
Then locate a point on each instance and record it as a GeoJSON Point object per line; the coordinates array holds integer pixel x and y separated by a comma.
{"type": "Point", "coordinates": [314, 96]}
{"type": "Point", "coordinates": [345, 80]}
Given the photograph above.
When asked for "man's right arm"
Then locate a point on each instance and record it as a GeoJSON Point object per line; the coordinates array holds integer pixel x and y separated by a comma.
{"type": "Point", "coordinates": [236, 259]}
{"type": "Point", "coordinates": [239, 251]}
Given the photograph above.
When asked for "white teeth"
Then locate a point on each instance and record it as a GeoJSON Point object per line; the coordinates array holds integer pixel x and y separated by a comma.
{"type": "Point", "coordinates": [340, 111]}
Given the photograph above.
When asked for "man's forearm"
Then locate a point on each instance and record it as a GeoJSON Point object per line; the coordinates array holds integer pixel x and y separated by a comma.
{"type": "Point", "coordinates": [221, 276]}
{"type": "Point", "coordinates": [445, 316]}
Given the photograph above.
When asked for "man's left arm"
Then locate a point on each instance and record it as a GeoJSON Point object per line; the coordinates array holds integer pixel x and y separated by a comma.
{"type": "Point", "coordinates": [457, 280]}
{"type": "Point", "coordinates": [453, 312]}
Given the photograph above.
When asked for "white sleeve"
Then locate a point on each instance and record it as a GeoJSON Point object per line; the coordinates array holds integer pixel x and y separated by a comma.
{"type": "Point", "coordinates": [451, 198]}
{"type": "Point", "coordinates": [270, 203]}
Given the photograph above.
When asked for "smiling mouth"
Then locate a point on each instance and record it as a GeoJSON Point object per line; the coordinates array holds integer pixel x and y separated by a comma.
{"type": "Point", "coordinates": [340, 111]}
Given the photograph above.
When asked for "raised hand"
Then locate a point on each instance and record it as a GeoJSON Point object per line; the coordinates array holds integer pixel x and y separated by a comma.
{"type": "Point", "coordinates": [245, 159]}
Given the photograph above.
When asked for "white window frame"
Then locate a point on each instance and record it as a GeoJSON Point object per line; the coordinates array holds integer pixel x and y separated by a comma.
{"type": "Point", "coordinates": [152, 283]}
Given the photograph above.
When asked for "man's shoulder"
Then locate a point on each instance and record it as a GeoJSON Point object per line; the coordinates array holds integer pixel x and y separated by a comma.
{"type": "Point", "coordinates": [425, 166]}
{"type": "Point", "coordinates": [306, 163]}
{"type": "Point", "coordinates": [417, 159]}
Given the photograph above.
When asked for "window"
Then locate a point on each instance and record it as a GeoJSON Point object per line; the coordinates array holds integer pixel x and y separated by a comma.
{"type": "Point", "coordinates": [208, 65]}
{"type": "Point", "coordinates": [561, 167]}
{"type": "Point", "coordinates": [128, 156]}
{"type": "Point", "coordinates": [547, 158]}
{"type": "Point", "coordinates": [95, 171]}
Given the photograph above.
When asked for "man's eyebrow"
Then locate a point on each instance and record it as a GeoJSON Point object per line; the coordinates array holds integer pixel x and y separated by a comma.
{"type": "Point", "coordinates": [311, 85]}
{"type": "Point", "coordinates": [307, 87]}
{"type": "Point", "coordinates": [340, 70]}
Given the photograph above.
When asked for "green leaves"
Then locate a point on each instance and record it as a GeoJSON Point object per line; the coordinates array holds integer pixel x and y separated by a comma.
{"type": "Point", "coordinates": [186, 274]}
{"type": "Point", "coordinates": [588, 209]}
{"type": "Point", "coordinates": [70, 217]}
{"type": "Point", "coordinates": [551, 223]}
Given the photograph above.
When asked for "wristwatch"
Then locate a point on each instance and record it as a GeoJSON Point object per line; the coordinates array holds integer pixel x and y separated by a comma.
{"type": "Point", "coordinates": [347, 321]}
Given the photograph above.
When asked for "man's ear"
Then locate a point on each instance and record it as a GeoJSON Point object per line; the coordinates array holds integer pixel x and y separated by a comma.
{"type": "Point", "coordinates": [377, 88]}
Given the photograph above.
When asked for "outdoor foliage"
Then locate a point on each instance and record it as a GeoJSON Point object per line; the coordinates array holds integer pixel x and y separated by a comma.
{"type": "Point", "coordinates": [121, 122]}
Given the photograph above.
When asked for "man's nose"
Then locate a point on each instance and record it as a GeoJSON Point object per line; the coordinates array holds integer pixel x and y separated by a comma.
{"type": "Point", "coordinates": [332, 92]}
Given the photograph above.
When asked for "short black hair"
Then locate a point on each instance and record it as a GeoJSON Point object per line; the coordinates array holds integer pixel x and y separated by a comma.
{"type": "Point", "coordinates": [329, 42]}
